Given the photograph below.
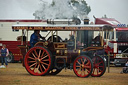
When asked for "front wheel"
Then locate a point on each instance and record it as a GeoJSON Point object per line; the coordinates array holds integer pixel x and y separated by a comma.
{"type": "Point", "coordinates": [38, 61]}
{"type": "Point", "coordinates": [83, 66]}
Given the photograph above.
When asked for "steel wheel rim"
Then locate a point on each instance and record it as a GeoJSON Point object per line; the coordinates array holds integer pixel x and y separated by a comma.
{"type": "Point", "coordinates": [37, 61]}
{"type": "Point", "coordinates": [98, 66]}
{"type": "Point", "coordinates": [82, 66]}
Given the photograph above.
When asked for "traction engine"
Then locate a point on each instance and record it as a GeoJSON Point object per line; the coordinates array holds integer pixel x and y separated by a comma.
{"type": "Point", "coordinates": [49, 57]}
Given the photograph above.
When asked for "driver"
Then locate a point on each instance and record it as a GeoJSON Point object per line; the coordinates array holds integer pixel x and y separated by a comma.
{"type": "Point", "coordinates": [35, 37]}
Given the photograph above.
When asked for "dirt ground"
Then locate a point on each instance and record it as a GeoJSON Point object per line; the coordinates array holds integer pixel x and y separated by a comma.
{"type": "Point", "coordinates": [15, 74]}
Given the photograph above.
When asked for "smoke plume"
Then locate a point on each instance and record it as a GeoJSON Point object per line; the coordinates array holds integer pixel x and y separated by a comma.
{"type": "Point", "coordinates": [61, 9]}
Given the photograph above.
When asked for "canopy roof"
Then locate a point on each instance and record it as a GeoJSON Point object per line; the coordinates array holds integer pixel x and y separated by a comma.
{"type": "Point", "coordinates": [63, 27]}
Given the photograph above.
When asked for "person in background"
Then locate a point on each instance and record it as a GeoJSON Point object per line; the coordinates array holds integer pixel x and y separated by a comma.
{"type": "Point", "coordinates": [35, 37]}
{"type": "Point", "coordinates": [4, 53]}
{"type": "Point", "coordinates": [125, 69]}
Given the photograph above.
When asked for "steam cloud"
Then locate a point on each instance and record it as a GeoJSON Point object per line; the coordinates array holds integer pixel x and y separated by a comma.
{"type": "Point", "coordinates": [60, 9]}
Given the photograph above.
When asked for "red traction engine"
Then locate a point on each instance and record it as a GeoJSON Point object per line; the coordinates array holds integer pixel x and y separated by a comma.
{"type": "Point", "coordinates": [51, 56]}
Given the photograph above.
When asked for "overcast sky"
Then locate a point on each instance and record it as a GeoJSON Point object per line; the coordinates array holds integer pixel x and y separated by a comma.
{"type": "Point", "coordinates": [24, 9]}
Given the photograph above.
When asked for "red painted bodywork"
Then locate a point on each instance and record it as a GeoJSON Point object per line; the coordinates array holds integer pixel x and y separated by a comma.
{"type": "Point", "coordinates": [13, 48]}
{"type": "Point", "coordinates": [122, 29]}
{"type": "Point", "coordinates": [108, 21]}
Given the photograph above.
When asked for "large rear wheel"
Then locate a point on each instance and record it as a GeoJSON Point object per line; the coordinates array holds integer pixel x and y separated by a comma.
{"type": "Point", "coordinates": [99, 66]}
{"type": "Point", "coordinates": [83, 66]}
{"type": "Point", "coordinates": [38, 61]}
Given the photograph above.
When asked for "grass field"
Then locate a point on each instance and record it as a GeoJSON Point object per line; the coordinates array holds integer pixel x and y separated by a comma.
{"type": "Point", "coordinates": [15, 74]}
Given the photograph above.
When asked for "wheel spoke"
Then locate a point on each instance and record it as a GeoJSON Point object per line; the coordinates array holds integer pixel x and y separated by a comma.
{"type": "Point", "coordinates": [43, 66]}
{"type": "Point", "coordinates": [93, 70]}
{"type": "Point", "coordinates": [39, 54]}
{"type": "Point", "coordinates": [78, 69]}
{"type": "Point", "coordinates": [34, 55]}
{"type": "Point", "coordinates": [31, 58]}
{"type": "Point", "coordinates": [87, 63]}
{"type": "Point", "coordinates": [78, 62]}
{"type": "Point", "coordinates": [101, 66]}
{"type": "Point", "coordinates": [100, 70]}
{"type": "Point", "coordinates": [32, 65]}
{"type": "Point", "coordinates": [40, 68]}
{"type": "Point", "coordinates": [44, 63]}
{"type": "Point", "coordinates": [100, 62]}
{"type": "Point", "coordinates": [84, 61]}
{"type": "Point", "coordinates": [97, 70]}
{"type": "Point", "coordinates": [42, 54]}
{"type": "Point", "coordinates": [44, 57]}
{"type": "Point", "coordinates": [46, 60]}
{"type": "Point", "coordinates": [77, 66]}
{"type": "Point", "coordinates": [35, 52]}
{"type": "Point", "coordinates": [83, 71]}
{"type": "Point", "coordinates": [81, 61]}
{"type": "Point", "coordinates": [87, 67]}
{"type": "Point", "coordinates": [31, 61]}
{"type": "Point", "coordinates": [94, 60]}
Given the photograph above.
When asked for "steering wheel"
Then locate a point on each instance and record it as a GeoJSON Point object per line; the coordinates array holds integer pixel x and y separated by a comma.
{"type": "Point", "coordinates": [56, 38]}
